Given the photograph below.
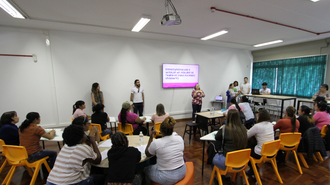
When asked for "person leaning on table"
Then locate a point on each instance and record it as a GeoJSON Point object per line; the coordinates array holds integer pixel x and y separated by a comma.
{"type": "Point", "coordinates": [323, 92]}
{"type": "Point", "coordinates": [264, 90]}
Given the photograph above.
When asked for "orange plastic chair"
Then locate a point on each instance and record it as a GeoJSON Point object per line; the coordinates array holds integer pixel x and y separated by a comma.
{"type": "Point", "coordinates": [100, 131]}
{"type": "Point", "coordinates": [71, 119]}
{"type": "Point", "coordinates": [3, 154]}
{"type": "Point", "coordinates": [188, 179]}
{"type": "Point", "coordinates": [290, 142]}
{"type": "Point", "coordinates": [268, 153]}
{"type": "Point", "coordinates": [127, 130]}
{"type": "Point", "coordinates": [238, 159]}
{"type": "Point", "coordinates": [17, 156]}
{"type": "Point", "coordinates": [157, 128]}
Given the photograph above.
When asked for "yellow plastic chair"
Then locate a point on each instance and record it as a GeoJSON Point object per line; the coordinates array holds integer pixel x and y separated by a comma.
{"type": "Point", "coordinates": [127, 130]}
{"type": "Point", "coordinates": [3, 154]}
{"type": "Point", "coordinates": [157, 128]}
{"type": "Point", "coordinates": [268, 153]}
{"type": "Point", "coordinates": [290, 142]}
{"type": "Point", "coordinates": [100, 131]}
{"type": "Point", "coordinates": [324, 131]}
{"type": "Point", "coordinates": [71, 119]}
{"type": "Point", "coordinates": [236, 162]}
{"type": "Point", "coordinates": [17, 156]}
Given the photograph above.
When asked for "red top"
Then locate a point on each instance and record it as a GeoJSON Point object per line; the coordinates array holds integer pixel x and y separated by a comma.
{"type": "Point", "coordinates": [285, 125]}
{"type": "Point", "coordinates": [197, 99]}
{"type": "Point", "coordinates": [30, 138]}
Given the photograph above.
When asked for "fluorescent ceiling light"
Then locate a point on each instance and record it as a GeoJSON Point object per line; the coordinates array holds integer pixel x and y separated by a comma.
{"type": "Point", "coordinates": [215, 35]}
{"type": "Point", "coordinates": [142, 22]}
{"type": "Point", "coordinates": [314, 1]}
{"type": "Point", "coordinates": [268, 43]}
{"type": "Point", "coordinates": [11, 9]}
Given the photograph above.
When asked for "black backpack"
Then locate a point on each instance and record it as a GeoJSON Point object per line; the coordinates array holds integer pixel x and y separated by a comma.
{"type": "Point", "coordinates": [326, 139]}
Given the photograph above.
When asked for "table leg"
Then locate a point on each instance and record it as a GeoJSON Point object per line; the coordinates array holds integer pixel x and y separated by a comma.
{"type": "Point", "coordinates": [294, 102]}
{"type": "Point", "coordinates": [282, 109]}
{"type": "Point", "coordinates": [43, 144]}
{"type": "Point", "coordinates": [203, 157]}
{"type": "Point", "coordinates": [59, 146]}
{"type": "Point", "coordinates": [148, 128]}
{"type": "Point", "coordinates": [298, 104]}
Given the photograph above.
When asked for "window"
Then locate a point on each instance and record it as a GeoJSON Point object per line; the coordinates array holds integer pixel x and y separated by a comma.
{"type": "Point", "coordinates": [293, 77]}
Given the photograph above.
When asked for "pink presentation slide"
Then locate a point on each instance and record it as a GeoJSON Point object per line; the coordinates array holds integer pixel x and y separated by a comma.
{"type": "Point", "coordinates": [180, 75]}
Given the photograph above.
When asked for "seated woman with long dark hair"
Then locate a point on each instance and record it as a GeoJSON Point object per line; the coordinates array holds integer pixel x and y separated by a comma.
{"type": "Point", "coordinates": [235, 138]}
{"type": "Point", "coordinates": [125, 116]}
{"type": "Point", "coordinates": [289, 123]}
{"type": "Point", "coordinates": [8, 129]}
{"type": "Point", "coordinates": [29, 137]}
{"type": "Point", "coordinates": [100, 117]}
{"type": "Point", "coordinates": [306, 121]}
{"type": "Point", "coordinates": [170, 167]}
{"type": "Point", "coordinates": [321, 116]}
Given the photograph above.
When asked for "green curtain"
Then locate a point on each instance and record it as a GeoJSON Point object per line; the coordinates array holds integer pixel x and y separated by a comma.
{"type": "Point", "coordinates": [300, 77]}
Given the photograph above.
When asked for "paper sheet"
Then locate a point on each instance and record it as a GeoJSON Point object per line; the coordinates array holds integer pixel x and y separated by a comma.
{"type": "Point", "coordinates": [106, 144]}
{"type": "Point", "coordinates": [104, 154]}
{"type": "Point", "coordinates": [142, 148]}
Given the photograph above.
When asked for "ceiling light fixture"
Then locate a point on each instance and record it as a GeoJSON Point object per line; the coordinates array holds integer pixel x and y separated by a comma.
{"type": "Point", "coordinates": [314, 1]}
{"type": "Point", "coordinates": [12, 9]}
{"type": "Point", "coordinates": [268, 43]}
{"type": "Point", "coordinates": [215, 35]}
{"type": "Point", "coordinates": [142, 22]}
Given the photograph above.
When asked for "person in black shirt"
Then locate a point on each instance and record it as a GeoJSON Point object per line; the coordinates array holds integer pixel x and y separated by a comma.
{"type": "Point", "coordinates": [306, 121]}
{"type": "Point", "coordinates": [122, 161]}
{"type": "Point", "coordinates": [101, 117]}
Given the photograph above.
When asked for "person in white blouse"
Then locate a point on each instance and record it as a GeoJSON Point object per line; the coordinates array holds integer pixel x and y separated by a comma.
{"type": "Point", "coordinates": [248, 113]}
{"type": "Point", "coordinates": [264, 89]}
{"type": "Point", "coordinates": [263, 132]}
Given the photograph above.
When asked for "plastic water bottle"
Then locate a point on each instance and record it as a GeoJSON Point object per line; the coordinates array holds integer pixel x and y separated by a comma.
{"type": "Point", "coordinates": [141, 138]}
{"type": "Point", "coordinates": [212, 111]}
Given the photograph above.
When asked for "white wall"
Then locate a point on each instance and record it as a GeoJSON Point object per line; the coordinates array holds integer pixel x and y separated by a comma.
{"type": "Point", "coordinates": [66, 70]}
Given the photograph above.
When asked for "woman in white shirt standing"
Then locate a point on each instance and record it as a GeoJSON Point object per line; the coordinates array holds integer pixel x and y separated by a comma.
{"type": "Point", "coordinates": [263, 132]}
{"type": "Point", "coordinates": [248, 113]}
{"type": "Point", "coordinates": [170, 167]}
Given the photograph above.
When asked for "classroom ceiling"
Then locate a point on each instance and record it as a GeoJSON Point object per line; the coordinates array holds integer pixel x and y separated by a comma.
{"type": "Point", "coordinates": [117, 17]}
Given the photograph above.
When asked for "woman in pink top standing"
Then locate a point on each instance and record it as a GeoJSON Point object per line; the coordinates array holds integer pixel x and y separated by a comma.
{"type": "Point", "coordinates": [160, 114]}
{"type": "Point", "coordinates": [197, 96]}
{"type": "Point", "coordinates": [321, 116]}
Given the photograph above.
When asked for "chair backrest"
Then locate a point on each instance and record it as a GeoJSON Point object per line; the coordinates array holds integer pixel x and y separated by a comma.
{"type": "Point", "coordinates": [270, 149]}
{"type": "Point", "coordinates": [290, 140]}
{"type": "Point", "coordinates": [324, 131]}
{"type": "Point", "coordinates": [96, 125]}
{"type": "Point", "coordinates": [1, 144]}
{"type": "Point", "coordinates": [15, 153]}
{"type": "Point", "coordinates": [157, 126]}
{"type": "Point", "coordinates": [189, 178]}
{"type": "Point", "coordinates": [237, 159]}
{"type": "Point", "coordinates": [127, 130]}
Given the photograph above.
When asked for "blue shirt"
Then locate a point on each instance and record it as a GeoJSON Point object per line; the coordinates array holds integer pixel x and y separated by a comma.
{"type": "Point", "coordinates": [9, 134]}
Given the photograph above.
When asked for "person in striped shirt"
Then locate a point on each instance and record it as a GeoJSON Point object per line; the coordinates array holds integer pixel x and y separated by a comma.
{"type": "Point", "coordinates": [73, 163]}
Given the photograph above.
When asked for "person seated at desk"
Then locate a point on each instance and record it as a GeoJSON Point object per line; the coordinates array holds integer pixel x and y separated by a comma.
{"type": "Point", "coordinates": [321, 116]}
{"type": "Point", "coordinates": [125, 116]}
{"type": "Point", "coordinates": [323, 92]}
{"type": "Point", "coordinates": [249, 116]}
{"type": "Point", "coordinates": [83, 122]}
{"type": "Point", "coordinates": [306, 121]}
{"type": "Point", "coordinates": [73, 164]}
{"type": "Point", "coordinates": [289, 123]}
{"type": "Point", "coordinates": [264, 90]}
{"type": "Point", "coordinates": [160, 114]}
{"type": "Point", "coordinates": [29, 137]}
{"type": "Point", "coordinates": [122, 161]}
{"type": "Point", "coordinates": [170, 167]}
{"type": "Point", "coordinates": [230, 93]}
{"type": "Point", "coordinates": [235, 138]}
{"type": "Point", "coordinates": [100, 117]}
{"type": "Point", "coordinates": [263, 132]}
{"type": "Point", "coordinates": [78, 110]}
{"type": "Point", "coordinates": [234, 105]}
{"type": "Point", "coordinates": [8, 129]}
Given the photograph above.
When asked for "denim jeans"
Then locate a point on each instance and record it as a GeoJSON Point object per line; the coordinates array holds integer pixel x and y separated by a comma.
{"type": "Point", "coordinates": [164, 177]}
{"type": "Point", "coordinates": [44, 153]}
{"type": "Point", "coordinates": [106, 132]}
{"type": "Point", "coordinates": [91, 180]}
{"type": "Point", "coordinates": [138, 107]}
{"type": "Point", "coordinates": [196, 108]}
{"type": "Point", "coordinates": [219, 161]}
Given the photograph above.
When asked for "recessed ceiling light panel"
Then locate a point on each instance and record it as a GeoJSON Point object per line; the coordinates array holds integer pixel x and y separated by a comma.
{"type": "Point", "coordinates": [215, 35]}
{"type": "Point", "coordinates": [142, 22]}
{"type": "Point", "coordinates": [268, 43]}
{"type": "Point", "coordinates": [11, 9]}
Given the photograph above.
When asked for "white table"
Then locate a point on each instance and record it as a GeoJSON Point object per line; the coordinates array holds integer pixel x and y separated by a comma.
{"type": "Point", "coordinates": [282, 98]}
{"type": "Point", "coordinates": [208, 137]}
{"type": "Point", "coordinates": [58, 137]}
{"type": "Point", "coordinates": [217, 114]}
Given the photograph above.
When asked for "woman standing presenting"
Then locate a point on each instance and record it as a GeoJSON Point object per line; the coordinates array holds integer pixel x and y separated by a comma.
{"type": "Point", "coordinates": [97, 95]}
{"type": "Point", "coordinates": [197, 96]}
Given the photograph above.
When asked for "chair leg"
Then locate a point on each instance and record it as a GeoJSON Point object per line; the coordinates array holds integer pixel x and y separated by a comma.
{"type": "Point", "coordinates": [35, 174]}
{"type": "Point", "coordinates": [318, 154]}
{"type": "Point", "coordinates": [302, 158]}
{"type": "Point", "coordinates": [245, 177]}
{"type": "Point", "coordinates": [219, 177]}
{"type": "Point", "coordinates": [189, 134]}
{"type": "Point", "coordinates": [47, 166]}
{"type": "Point", "coordinates": [234, 177]}
{"type": "Point", "coordinates": [256, 173]}
{"type": "Point", "coordinates": [287, 155]}
{"type": "Point", "coordinates": [3, 165]}
{"type": "Point", "coordinates": [212, 176]}
{"type": "Point", "coordinates": [273, 161]}
{"type": "Point", "coordinates": [29, 170]}
{"type": "Point", "coordinates": [314, 158]}
{"type": "Point", "coordinates": [9, 175]}
{"type": "Point", "coordinates": [297, 161]}
{"type": "Point", "coordinates": [185, 129]}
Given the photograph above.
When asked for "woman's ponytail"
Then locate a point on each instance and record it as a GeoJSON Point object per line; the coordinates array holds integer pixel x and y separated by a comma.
{"type": "Point", "coordinates": [30, 117]}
